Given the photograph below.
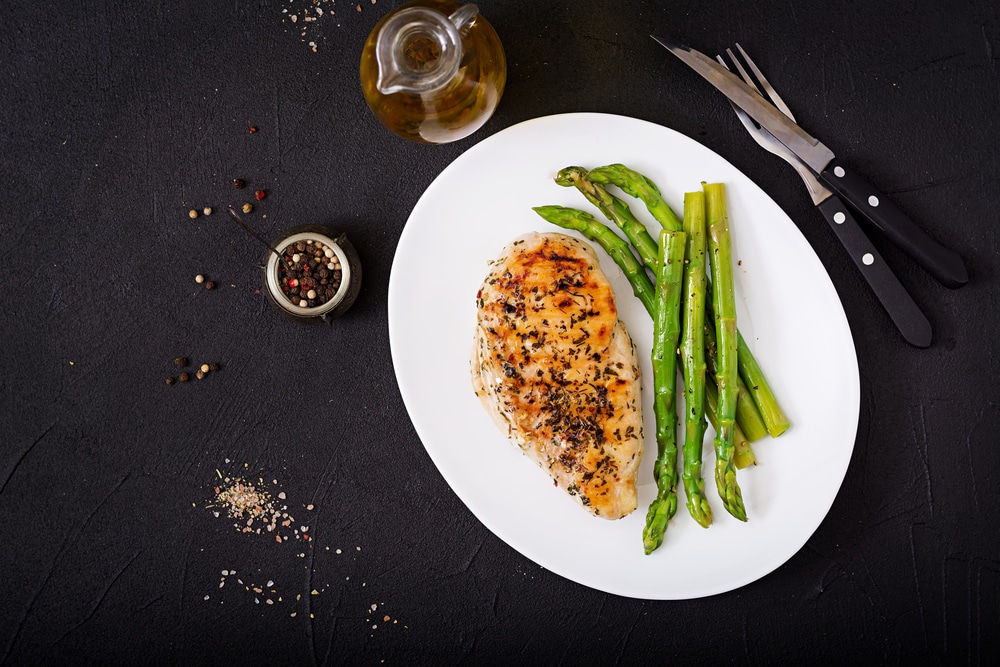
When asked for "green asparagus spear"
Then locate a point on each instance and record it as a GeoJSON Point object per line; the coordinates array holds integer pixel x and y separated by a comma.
{"type": "Point", "coordinates": [721, 263]}
{"type": "Point", "coordinates": [666, 332]}
{"type": "Point", "coordinates": [614, 245]}
{"type": "Point", "coordinates": [616, 211]}
{"type": "Point", "coordinates": [767, 417]}
{"type": "Point", "coordinates": [743, 455]}
{"type": "Point", "coordinates": [760, 390]}
{"type": "Point", "coordinates": [747, 415]}
{"type": "Point", "coordinates": [693, 357]}
{"type": "Point", "coordinates": [636, 185]}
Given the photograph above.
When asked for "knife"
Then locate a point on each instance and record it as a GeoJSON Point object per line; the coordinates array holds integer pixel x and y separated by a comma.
{"type": "Point", "coordinates": [944, 264]}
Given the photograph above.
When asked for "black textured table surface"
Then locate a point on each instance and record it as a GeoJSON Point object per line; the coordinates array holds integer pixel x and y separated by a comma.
{"type": "Point", "coordinates": [119, 118]}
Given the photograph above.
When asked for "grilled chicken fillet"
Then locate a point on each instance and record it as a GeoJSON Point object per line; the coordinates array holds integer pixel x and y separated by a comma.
{"type": "Point", "coordinates": [556, 369]}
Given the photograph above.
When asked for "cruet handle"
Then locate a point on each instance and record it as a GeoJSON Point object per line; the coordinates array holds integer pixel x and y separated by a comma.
{"type": "Point", "coordinates": [463, 17]}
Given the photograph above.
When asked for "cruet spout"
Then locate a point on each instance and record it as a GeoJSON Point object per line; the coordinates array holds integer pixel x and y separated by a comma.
{"type": "Point", "coordinates": [419, 49]}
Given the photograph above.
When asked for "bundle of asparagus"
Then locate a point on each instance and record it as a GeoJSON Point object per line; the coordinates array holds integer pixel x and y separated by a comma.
{"type": "Point", "coordinates": [722, 380]}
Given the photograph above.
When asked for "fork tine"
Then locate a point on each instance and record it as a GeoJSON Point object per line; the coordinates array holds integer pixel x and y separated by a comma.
{"type": "Point", "coordinates": [743, 73]}
{"type": "Point", "coordinates": [752, 128]}
{"type": "Point", "coordinates": [768, 89]}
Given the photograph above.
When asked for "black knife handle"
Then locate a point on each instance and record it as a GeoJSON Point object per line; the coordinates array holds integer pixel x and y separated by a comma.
{"type": "Point", "coordinates": [944, 264]}
{"type": "Point", "coordinates": [902, 309]}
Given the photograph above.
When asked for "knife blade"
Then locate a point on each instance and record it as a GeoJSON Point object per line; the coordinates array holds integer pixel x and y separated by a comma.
{"type": "Point", "coordinates": [943, 263]}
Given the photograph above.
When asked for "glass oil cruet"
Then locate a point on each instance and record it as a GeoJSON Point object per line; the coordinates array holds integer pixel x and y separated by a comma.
{"type": "Point", "coordinates": [433, 71]}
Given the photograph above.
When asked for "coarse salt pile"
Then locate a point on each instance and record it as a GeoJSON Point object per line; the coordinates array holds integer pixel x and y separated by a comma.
{"type": "Point", "coordinates": [256, 510]}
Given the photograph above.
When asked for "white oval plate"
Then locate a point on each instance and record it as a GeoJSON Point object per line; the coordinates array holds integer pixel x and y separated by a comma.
{"type": "Point", "coordinates": [788, 311]}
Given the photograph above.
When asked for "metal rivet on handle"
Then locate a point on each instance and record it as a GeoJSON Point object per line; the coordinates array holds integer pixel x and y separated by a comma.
{"type": "Point", "coordinates": [868, 259]}
{"type": "Point", "coordinates": [838, 172]}
{"type": "Point", "coordinates": [873, 201]}
{"type": "Point", "coordinates": [839, 217]}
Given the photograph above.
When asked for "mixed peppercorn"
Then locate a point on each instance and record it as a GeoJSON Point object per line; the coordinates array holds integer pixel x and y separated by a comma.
{"type": "Point", "coordinates": [313, 274]}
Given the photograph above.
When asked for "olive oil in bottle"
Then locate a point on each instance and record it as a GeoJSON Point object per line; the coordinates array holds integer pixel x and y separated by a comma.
{"type": "Point", "coordinates": [433, 71]}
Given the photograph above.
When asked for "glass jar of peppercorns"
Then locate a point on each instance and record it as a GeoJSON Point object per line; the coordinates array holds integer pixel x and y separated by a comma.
{"type": "Point", "coordinates": [317, 276]}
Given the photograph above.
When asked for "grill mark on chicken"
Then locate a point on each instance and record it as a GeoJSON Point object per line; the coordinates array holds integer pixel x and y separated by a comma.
{"type": "Point", "coordinates": [556, 369]}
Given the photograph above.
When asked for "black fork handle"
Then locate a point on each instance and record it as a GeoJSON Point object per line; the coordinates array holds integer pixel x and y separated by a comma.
{"type": "Point", "coordinates": [900, 306]}
{"type": "Point", "coordinates": [944, 264]}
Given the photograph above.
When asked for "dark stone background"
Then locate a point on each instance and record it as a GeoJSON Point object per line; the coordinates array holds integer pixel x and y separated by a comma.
{"type": "Point", "coordinates": [119, 117]}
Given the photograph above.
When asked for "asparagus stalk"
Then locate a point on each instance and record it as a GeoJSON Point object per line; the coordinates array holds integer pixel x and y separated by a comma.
{"type": "Point", "coordinates": [747, 414]}
{"type": "Point", "coordinates": [636, 185]}
{"type": "Point", "coordinates": [770, 417]}
{"type": "Point", "coordinates": [614, 245]}
{"type": "Point", "coordinates": [666, 332]}
{"type": "Point", "coordinates": [743, 455]}
{"type": "Point", "coordinates": [760, 390]}
{"type": "Point", "coordinates": [693, 357]}
{"type": "Point", "coordinates": [721, 263]}
{"type": "Point", "coordinates": [616, 211]}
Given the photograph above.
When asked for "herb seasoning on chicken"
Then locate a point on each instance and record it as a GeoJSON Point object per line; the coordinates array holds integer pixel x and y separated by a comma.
{"type": "Point", "coordinates": [556, 369]}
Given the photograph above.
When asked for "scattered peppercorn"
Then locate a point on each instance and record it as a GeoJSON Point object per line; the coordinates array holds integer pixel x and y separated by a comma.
{"type": "Point", "coordinates": [213, 366]}
{"type": "Point", "coordinates": [181, 361]}
{"type": "Point", "coordinates": [184, 377]}
{"type": "Point", "coordinates": [199, 279]}
{"type": "Point", "coordinates": [207, 210]}
{"type": "Point", "coordinates": [200, 374]}
{"type": "Point", "coordinates": [239, 183]}
{"type": "Point", "coordinates": [210, 285]}
{"type": "Point", "coordinates": [253, 129]}
{"type": "Point", "coordinates": [260, 194]}
{"type": "Point", "coordinates": [204, 368]}
{"type": "Point", "coordinates": [247, 208]}
{"type": "Point", "coordinates": [192, 214]}
{"type": "Point", "coordinates": [170, 380]}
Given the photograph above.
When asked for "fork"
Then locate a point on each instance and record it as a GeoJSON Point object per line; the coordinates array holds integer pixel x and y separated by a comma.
{"type": "Point", "coordinates": [897, 302]}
